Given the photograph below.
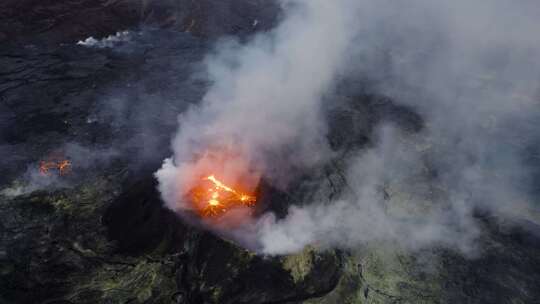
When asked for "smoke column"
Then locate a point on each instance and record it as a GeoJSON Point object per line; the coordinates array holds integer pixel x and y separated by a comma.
{"type": "Point", "coordinates": [265, 99]}
{"type": "Point", "coordinates": [470, 70]}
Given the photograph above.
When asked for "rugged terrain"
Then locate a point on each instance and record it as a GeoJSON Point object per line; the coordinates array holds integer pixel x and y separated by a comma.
{"type": "Point", "coordinates": [100, 233]}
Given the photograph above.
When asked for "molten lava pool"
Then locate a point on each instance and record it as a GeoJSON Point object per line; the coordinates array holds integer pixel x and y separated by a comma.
{"type": "Point", "coordinates": [213, 198]}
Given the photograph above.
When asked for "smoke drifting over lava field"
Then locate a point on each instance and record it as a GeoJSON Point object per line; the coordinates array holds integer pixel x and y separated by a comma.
{"type": "Point", "coordinates": [267, 99]}
{"type": "Point", "coordinates": [251, 151]}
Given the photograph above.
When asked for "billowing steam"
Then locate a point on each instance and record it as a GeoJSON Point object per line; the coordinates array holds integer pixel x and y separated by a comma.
{"type": "Point", "coordinates": [471, 71]}
{"type": "Point", "coordinates": [265, 100]}
{"type": "Point", "coordinates": [106, 42]}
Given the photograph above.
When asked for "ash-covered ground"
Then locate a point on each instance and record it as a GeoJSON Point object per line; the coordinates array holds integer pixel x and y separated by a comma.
{"type": "Point", "coordinates": [100, 232]}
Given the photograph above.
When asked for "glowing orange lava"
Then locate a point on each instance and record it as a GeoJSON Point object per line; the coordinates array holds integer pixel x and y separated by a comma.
{"type": "Point", "coordinates": [63, 166]}
{"type": "Point", "coordinates": [213, 198]}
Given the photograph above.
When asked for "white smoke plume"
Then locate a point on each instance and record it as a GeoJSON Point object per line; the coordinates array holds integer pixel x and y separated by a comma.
{"type": "Point", "coordinates": [469, 69]}
{"type": "Point", "coordinates": [110, 41]}
{"type": "Point", "coordinates": [265, 98]}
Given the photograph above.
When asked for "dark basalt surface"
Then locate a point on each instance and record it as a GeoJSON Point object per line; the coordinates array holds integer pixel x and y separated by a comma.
{"type": "Point", "coordinates": [101, 234]}
{"type": "Point", "coordinates": [51, 22]}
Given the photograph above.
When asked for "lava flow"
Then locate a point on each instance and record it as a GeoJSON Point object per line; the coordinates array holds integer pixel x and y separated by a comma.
{"type": "Point", "coordinates": [62, 166]}
{"type": "Point", "coordinates": [213, 198]}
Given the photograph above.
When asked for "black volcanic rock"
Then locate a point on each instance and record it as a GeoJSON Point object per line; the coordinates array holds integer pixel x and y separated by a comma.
{"type": "Point", "coordinates": [138, 223]}
{"type": "Point", "coordinates": [53, 22]}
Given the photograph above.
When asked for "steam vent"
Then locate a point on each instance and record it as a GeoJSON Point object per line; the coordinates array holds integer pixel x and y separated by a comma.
{"type": "Point", "coordinates": [269, 152]}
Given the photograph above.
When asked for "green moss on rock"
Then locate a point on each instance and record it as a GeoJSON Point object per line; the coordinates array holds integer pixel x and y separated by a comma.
{"type": "Point", "coordinates": [137, 283]}
{"type": "Point", "coordinates": [300, 265]}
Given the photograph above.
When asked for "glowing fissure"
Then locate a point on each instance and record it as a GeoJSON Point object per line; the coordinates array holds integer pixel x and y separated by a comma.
{"type": "Point", "coordinates": [62, 166]}
{"type": "Point", "coordinates": [212, 197]}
